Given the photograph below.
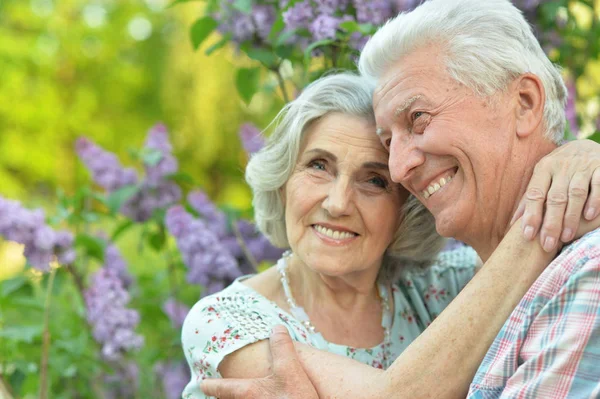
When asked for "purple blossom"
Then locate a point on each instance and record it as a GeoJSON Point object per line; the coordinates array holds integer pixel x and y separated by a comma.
{"type": "Point", "coordinates": [105, 167]}
{"type": "Point", "coordinates": [570, 110]}
{"type": "Point", "coordinates": [113, 260]}
{"type": "Point", "coordinates": [406, 5]}
{"type": "Point", "coordinates": [215, 218]}
{"type": "Point", "coordinates": [124, 383]}
{"type": "Point", "coordinates": [244, 27]}
{"type": "Point", "coordinates": [324, 27]}
{"type": "Point", "coordinates": [176, 311]}
{"type": "Point", "coordinates": [113, 324]}
{"type": "Point", "coordinates": [375, 12]}
{"type": "Point", "coordinates": [174, 377]}
{"type": "Point", "coordinates": [526, 5]}
{"type": "Point", "coordinates": [158, 140]}
{"type": "Point", "coordinates": [156, 191]}
{"type": "Point", "coordinates": [28, 227]}
{"type": "Point", "coordinates": [299, 15]}
{"type": "Point", "coordinates": [251, 138]}
{"type": "Point", "coordinates": [209, 262]}
{"type": "Point", "coordinates": [330, 7]}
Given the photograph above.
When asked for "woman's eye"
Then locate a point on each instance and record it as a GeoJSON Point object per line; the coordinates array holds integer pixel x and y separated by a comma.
{"type": "Point", "coordinates": [379, 181]}
{"type": "Point", "coordinates": [317, 164]}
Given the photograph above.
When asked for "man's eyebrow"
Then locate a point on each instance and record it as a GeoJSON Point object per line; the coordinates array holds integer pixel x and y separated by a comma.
{"type": "Point", "coordinates": [402, 108]}
{"type": "Point", "coordinates": [406, 104]}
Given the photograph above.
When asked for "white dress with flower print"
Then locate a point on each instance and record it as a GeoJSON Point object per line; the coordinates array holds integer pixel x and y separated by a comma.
{"type": "Point", "coordinates": [224, 322]}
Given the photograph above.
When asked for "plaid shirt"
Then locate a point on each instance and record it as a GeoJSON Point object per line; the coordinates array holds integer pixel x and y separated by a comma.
{"type": "Point", "coordinates": [550, 345]}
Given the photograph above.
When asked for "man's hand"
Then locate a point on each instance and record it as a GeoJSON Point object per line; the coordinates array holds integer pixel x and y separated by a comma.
{"type": "Point", "coordinates": [289, 380]}
{"type": "Point", "coordinates": [564, 187]}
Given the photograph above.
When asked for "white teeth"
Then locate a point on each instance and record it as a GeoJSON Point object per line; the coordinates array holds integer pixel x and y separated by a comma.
{"type": "Point", "coordinates": [336, 235]}
{"type": "Point", "coordinates": [429, 191]}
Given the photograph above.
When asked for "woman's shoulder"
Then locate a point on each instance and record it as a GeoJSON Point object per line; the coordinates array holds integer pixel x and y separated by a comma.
{"type": "Point", "coordinates": [460, 258]}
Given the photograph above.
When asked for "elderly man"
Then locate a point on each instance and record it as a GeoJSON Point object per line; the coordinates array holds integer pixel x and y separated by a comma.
{"type": "Point", "coordinates": [467, 104]}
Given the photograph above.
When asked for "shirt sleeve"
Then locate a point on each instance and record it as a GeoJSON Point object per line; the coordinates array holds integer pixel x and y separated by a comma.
{"type": "Point", "coordinates": [217, 326]}
{"type": "Point", "coordinates": [561, 351]}
{"type": "Point", "coordinates": [430, 290]}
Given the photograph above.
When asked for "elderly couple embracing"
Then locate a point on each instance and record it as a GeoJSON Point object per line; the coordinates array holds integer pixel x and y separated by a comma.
{"type": "Point", "coordinates": [453, 128]}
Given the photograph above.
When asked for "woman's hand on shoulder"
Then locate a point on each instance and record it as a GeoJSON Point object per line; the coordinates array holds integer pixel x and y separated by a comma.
{"type": "Point", "coordinates": [563, 195]}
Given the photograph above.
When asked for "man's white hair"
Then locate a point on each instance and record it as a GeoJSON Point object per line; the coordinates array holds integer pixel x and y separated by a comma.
{"type": "Point", "coordinates": [486, 44]}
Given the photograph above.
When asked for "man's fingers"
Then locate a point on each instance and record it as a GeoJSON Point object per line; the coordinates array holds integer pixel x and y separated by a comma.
{"type": "Point", "coordinates": [535, 197]}
{"type": "Point", "coordinates": [230, 388]}
{"type": "Point", "coordinates": [592, 207]}
{"type": "Point", "coordinates": [578, 193]}
{"type": "Point", "coordinates": [283, 352]}
{"type": "Point", "coordinates": [556, 204]}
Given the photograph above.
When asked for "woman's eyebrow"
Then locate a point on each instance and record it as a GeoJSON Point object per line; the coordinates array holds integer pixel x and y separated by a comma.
{"type": "Point", "coordinates": [376, 165]}
{"type": "Point", "coordinates": [321, 152]}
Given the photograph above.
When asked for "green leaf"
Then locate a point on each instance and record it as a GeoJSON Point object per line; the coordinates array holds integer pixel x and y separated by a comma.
{"type": "Point", "coordinates": [116, 199]}
{"type": "Point", "coordinates": [595, 137]}
{"type": "Point", "coordinates": [284, 37]}
{"type": "Point", "coordinates": [244, 6]}
{"type": "Point", "coordinates": [124, 226]}
{"type": "Point", "coordinates": [201, 29]}
{"type": "Point", "coordinates": [157, 239]}
{"type": "Point", "coordinates": [181, 178]}
{"type": "Point", "coordinates": [284, 52]}
{"type": "Point", "coordinates": [313, 46]}
{"type": "Point", "coordinates": [350, 26]}
{"type": "Point", "coordinates": [266, 57]}
{"type": "Point", "coordinates": [21, 333]}
{"type": "Point", "coordinates": [93, 246]}
{"type": "Point", "coordinates": [247, 81]}
{"type": "Point", "coordinates": [277, 27]}
{"type": "Point", "coordinates": [218, 45]}
{"type": "Point", "coordinates": [174, 3]}
{"type": "Point", "coordinates": [8, 287]}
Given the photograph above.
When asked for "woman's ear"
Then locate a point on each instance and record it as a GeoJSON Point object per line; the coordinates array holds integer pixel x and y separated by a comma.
{"type": "Point", "coordinates": [531, 98]}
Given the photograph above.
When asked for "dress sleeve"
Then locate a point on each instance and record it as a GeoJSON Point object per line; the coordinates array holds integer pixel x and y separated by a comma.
{"type": "Point", "coordinates": [430, 290]}
{"type": "Point", "coordinates": [217, 326]}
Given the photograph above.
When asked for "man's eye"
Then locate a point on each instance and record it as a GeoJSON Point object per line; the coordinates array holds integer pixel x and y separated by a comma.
{"type": "Point", "coordinates": [416, 115]}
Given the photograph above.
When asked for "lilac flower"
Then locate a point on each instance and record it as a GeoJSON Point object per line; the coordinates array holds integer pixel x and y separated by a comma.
{"type": "Point", "coordinates": [176, 311]}
{"type": "Point", "coordinates": [158, 140]}
{"type": "Point", "coordinates": [526, 5]}
{"type": "Point", "coordinates": [570, 110]}
{"type": "Point", "coordinates": [124, 383]}
{"type": "Point", "coordinates": [324, 27]}
{"type": "Point", "coordinates": [28, 227]}
{"type": "Point", "coordinates": [244, 27]}
{"type": "Point", "coordinates": [330, 7]}
{"type": "Point", "coordinates": [299, 15]}
{"type": "Point", "coordinates": [209, 263]}
{"type": "Point", "coordinates": [112, 322]}
{"type": "Point", "coordinates": [406, 5]}
{"type": "Point", "coordinates": [215, 218]}
{"type": "Point", "coordinates": [105, 167]}
{"type": "Point", "coordinates": [156, 191]}
{"type": "Point", "coordinates": [252, 139]}
{"type": "Point", "coordinates": [113, 260]}
{"type": "Point", "coordinates": [174, 377]}
{"type": "Point", "coordinates": [375, 12]}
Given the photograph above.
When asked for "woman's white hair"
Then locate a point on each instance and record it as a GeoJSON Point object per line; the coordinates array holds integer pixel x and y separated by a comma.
{"type": "Point", "coordinates": [487, 44]}
{"type": "Point", "coordinates": [416, 240]}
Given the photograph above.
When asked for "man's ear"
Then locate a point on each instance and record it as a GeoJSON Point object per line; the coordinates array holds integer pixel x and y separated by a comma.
{"type": "Point", "coordinates": [531, 98]}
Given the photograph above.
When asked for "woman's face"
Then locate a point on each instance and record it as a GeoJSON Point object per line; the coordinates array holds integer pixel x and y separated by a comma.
{"type": "Point", "coordinates": [341, 207]}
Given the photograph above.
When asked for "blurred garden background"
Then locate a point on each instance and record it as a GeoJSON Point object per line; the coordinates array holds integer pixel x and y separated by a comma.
{"type": "Point", "coordinates": [125, 126]}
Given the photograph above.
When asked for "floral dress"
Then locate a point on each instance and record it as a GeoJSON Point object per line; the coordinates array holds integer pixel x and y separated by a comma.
{"type": "Point", "coordinates": [238, 316]}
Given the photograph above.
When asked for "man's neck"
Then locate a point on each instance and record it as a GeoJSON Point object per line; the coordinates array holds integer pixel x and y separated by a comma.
{"type": "Point", "coordinates": [514, 185]}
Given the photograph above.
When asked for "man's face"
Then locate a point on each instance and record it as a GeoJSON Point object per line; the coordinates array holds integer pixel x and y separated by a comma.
{"type": "Point", "coordinates": [447, 145]}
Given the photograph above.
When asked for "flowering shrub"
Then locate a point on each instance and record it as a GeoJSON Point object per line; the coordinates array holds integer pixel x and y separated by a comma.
{"type": "Point", "coordinates": [96, 342]}
{"type": "Point", "coordinates": [213, 247]}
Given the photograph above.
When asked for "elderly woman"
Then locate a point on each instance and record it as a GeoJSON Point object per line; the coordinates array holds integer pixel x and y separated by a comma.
{"type": "Point", "coordinates": [363, 277]}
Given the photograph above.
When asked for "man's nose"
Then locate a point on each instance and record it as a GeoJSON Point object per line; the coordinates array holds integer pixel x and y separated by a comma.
{"type": "Point", "coordinates": [339, 197]}
{"type": "Point", "coordinates": [404, 157]}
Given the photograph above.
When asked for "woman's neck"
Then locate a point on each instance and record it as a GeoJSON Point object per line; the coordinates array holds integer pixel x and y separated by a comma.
{"type": "Point", "coordinates": [344, 294]}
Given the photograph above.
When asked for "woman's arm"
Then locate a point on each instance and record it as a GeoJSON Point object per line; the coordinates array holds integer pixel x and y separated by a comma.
{"type": "Point", "coordinates": [443, 360]}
